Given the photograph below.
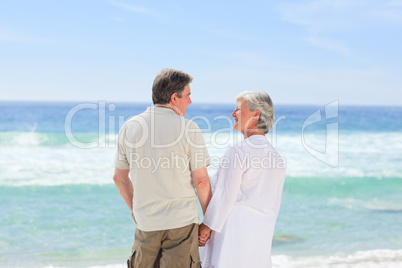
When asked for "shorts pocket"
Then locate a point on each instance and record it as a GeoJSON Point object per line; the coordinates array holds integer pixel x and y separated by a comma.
{"type": "Point", "coordinates": [194, 262]}
{"type": "Point", "coordinates": [131, 260]}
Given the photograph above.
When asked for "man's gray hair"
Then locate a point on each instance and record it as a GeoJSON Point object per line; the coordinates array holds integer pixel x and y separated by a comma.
{"type": "Point", "coordinates": [260, 100]}
{"type": "Point", "coordinates": [167, 82]}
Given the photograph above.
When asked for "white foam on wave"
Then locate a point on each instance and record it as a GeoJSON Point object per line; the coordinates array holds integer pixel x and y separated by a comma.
{"type": "Point", "coordinates": [359, 154]}
{"type": "Point", "coordinates": [373, 205]}
{"type": "Point", "coordinates": [39, 139]}
{"type": "Point", "coordinates": [98, 266]}
{"type": "Point", "coordinates": [380, 258]}
{"type": "Point", "coordinates": [24, 138]}
{"type": "Point", "coordinates": [27, 162]}
{"type": "Point", "coordinates": [50, 166]}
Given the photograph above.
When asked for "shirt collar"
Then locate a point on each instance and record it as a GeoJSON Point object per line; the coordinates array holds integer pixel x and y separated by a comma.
{"type": "Point", "coordinates": [160, 110]}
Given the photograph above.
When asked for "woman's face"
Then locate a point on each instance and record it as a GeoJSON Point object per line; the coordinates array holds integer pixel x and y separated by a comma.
{"type": "Point", "coordinates": [243, 117]}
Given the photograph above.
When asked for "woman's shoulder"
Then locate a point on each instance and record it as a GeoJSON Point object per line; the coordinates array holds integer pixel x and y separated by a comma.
{"type": "Point", "coordinates": [247, 145]}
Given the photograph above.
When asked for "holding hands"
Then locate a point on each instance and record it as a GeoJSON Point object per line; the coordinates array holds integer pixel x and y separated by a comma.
{"type": "Point", "coordinates": [204, 232]}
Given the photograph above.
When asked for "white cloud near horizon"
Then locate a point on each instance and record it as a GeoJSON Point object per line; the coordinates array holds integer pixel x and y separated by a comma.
{"type": "Point", "coordinates": [19, 38]}
{"type": "Point", "coordinates": [395, 3]}
{"type": "Point", "coordinates": [327, 44]}
{"type": "Point", "coordinates": [229, 34]}
{"type": "Point", "coordinates": [319, 17]}
{"type": "Point", "coordinates": [390, 15]}
{"type": "Point", "coordinates": [139, 9]}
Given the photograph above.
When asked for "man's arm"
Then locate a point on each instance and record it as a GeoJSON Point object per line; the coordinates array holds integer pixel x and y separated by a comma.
{"type": "Point", "coordinates": [124, 186]}
{"type": "Point", "coordinates": [203, 186]}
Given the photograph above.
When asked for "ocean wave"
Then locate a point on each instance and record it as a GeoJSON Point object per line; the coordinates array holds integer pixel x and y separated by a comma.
{"type": "Point", "coordinates": [39, 139]}
{"type": "Point", "coordinates": [51, 166]}
{"type": "Point", "coordinates": [373, 205]}
{"type": "Point", "coordinates": [379, 258]}
{"type": "Point", "coordinates": [22, 139]}
{"type": "Point", "coordinates": [31, 158]}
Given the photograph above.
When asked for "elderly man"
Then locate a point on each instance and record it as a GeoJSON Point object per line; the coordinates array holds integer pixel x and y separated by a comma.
{"type": "Point", "coordinates": [166, 157]}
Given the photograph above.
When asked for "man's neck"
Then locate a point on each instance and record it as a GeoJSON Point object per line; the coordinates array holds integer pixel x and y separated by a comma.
{"type": "Point", "coordinates": [172, 107]}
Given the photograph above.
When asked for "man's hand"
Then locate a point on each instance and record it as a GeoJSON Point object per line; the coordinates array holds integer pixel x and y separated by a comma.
{"type": "Point", "coordinates": [124, 186]}
{"type": "Point", "coordinates": [204, 232]}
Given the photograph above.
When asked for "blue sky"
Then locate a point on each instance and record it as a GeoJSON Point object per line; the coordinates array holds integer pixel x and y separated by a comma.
{"type": "Point", "coordinates": [300, 52]}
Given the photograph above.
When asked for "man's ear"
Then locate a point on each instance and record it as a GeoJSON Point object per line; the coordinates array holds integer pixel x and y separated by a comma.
{"type": "Point", "coordinates": [257, 113]}
{"type": "Point", "coordinates": [173, 98]}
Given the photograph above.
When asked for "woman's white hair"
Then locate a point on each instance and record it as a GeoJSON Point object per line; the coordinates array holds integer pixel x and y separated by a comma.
{"type": "Point", "coordinates": [260, 100]}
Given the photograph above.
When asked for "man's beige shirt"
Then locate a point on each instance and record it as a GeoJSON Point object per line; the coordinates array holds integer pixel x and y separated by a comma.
{"type": "Point", "coordinates": [161, 149]}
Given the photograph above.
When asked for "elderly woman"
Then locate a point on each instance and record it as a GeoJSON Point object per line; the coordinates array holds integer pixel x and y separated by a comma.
{"type": "Point", "coordinates": [240, 218]}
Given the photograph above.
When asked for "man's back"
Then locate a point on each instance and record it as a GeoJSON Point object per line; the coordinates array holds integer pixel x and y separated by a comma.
{"type": "Point", "coordinates": [166, 158]}
{"type": "Point", "coordinates": [161, 148]}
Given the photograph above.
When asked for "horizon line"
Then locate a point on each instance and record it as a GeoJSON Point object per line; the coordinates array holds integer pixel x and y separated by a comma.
{"type": "Point", "coordinates": [197, 103]}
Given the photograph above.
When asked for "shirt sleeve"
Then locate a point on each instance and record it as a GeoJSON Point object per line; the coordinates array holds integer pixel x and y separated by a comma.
{"type": "Point", "coordinates": [198, 152]}
{"type": "Point", "coordinates": [120, 160]}
{"type": "Point", "coordinates": [227, 189]}
{"type": "Point", "coordinates": [280, 174]}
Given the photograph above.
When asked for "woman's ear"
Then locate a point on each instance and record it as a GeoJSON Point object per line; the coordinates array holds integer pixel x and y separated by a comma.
{"type": "Point", "coordinates": [257, 113]}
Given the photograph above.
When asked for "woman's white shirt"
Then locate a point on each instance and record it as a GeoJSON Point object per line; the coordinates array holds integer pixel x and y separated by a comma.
{"type": "Point", "coordinates": [247, 191]}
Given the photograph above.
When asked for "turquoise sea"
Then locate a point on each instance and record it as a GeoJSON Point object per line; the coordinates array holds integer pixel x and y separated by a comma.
{"type": "Point", "coordinates": [341, 205]}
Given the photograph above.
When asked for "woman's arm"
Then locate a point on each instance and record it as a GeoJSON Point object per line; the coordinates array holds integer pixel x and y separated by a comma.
{"type": "Point", "coordinates": [227, 189]}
